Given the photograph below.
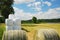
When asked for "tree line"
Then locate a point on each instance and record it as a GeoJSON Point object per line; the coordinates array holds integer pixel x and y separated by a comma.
{"type": "Point", "coordinates": [35, 20]}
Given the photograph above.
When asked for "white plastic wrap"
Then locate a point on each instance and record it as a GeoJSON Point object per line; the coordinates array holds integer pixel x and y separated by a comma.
{"type": "Point", "coordinates": [11, 16]}
{"type": "Point", "coordinates": [17, 24]}
{"type": "Point", "coordinates": [13, 23]}
{"type": "Point", "coordinates": [9, 24]}
{"type": "Point", "coordinates": [46, 34]}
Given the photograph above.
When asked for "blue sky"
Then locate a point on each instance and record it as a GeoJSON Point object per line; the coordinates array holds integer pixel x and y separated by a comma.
{"type": "Point", "coordinates": [42, 9]}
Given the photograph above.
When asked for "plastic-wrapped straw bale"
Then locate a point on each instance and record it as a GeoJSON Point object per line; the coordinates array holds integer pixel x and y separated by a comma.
{"type": "Point", "coordinates": [11, 16]}
{"type": "Point", "coordinates": [14, 35]}
{"type": "Point", "coordinates": [17, 24]}
{"type": "Point", "coordinates": [9, 24]}
{"type": "Point", "coordinates": [46, 34]}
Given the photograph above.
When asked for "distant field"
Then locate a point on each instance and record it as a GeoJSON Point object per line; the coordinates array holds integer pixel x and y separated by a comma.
{"type": "Point", "coordinates": [32, 27]}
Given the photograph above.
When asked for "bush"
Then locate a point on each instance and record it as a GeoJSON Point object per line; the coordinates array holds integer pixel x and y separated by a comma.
{"type": "Point", "coordinates": [34, 20]}
{"type": "Point", "coordinates": [2, 19]}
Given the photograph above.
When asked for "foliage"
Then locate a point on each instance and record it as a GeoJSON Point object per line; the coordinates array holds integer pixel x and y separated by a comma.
{"type": "Point", "coordinates": [6, 7]}
{"type": "Point", "coordinates": [2, 19]}
{"type": "Point", "coordinates": [49, 20]}
{"type": "Point", "coordinates": [34, 19]}
{"type": "Point", "coordinates": [41, 21]}
{"type": "Point", "coordinates": [6, 11]}
{"type": "Point", "coordinates": [26, 21]}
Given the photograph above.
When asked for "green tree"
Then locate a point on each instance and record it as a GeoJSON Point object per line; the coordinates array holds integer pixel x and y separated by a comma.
{"type": "Point", "coordinates": [34, 19]}
{"type": "Point", "coordinates": [6, 7]}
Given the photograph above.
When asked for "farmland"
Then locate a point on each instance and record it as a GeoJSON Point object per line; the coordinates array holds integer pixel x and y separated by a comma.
{"type": "Point", "coordinates": [31, 28]}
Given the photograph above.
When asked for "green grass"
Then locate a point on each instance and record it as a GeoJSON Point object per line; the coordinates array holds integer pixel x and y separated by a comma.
{"type": "Point", "coordinates": [2, 28]}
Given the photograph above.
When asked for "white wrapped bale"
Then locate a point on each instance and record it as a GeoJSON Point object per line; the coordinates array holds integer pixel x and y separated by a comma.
{"type": "Point", "coordinates": [17, 24]}
{"type": "Point", "coordinates": [11, 16]}
{"type": "Point", "coordinates": [14, 35]}
{"type": "Point", "coordinates": [9, 24]}
{"type": "Point", "coordinates": [46, 34]}
{"type": "Point", "coordinates": [13, 24]}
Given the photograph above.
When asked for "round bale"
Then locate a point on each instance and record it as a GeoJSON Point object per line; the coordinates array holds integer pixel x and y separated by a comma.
{"type": "Point", "coordinates": [46, 34]}
{"type": "Point", "coordinates": [14, 35]}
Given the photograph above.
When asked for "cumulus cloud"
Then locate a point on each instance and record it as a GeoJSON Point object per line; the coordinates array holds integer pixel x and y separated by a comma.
{"type": "Point", "coordinates": [51, 13]}
{"type": "Point", "coordinates": [36, 6]}
{"type": "Point", "coordinates": [47, 3]}
{"type": "Point", "coordinates": [19, 13]}
{"type": "Point", "coordinates": [23, 1]}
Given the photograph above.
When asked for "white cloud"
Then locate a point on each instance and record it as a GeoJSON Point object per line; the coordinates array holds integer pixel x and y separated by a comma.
{"type": "Point", "coordinates": [21, 14]}
{"type": "Point", "coordinates": [29, 5]}
{"type": "Point", "coordinates": [23, 1]}
{"type": "Point", "coordinates": [48, 3]}
{"type": "Point", "coordinates": [35, 5]}
{"type": "Point", "coordinates": [51, 13]}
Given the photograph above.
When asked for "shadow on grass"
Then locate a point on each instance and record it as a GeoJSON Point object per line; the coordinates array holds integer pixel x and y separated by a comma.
{"type": "Point", "coordinates": [25, 30]}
